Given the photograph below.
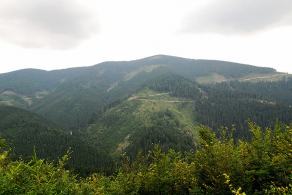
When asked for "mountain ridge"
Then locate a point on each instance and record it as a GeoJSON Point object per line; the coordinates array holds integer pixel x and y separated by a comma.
{"type": "Point", "coordinates": [76, 93]}
{"type": "Point", "coordinates": [159, 56]}
{"type": "Point", "coordinates": [69, 97]}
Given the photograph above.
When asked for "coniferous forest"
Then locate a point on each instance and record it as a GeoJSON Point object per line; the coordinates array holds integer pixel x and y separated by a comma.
{"type": "Point", "coordinates": [158, 125]}
{"type": "Point", "coordinates": [220, 165]}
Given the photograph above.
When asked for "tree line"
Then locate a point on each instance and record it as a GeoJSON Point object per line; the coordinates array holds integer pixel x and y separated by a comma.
{"type": "Point", "coordinates": [219, 165]}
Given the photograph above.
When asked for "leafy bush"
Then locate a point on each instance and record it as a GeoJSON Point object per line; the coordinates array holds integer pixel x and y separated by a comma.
{"type": "Point", "coordinates": [218, 166]}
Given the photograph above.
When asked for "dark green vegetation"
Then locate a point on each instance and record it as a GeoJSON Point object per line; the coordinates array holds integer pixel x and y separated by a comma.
{"type": "Point", "coordinates": [144, 120]}
{"type": "Point", "coordinates": [69, 97]}
{"type": "Point", "coordinates": [233, 103]}
{"type": "Point", "coordinates": [103, 112]}
{"type": "Point", "coordinates": [218, 166]}
{"type": "Point", "coordinates": [27, 132]}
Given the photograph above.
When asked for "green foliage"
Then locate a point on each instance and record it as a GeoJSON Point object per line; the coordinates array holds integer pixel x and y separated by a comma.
{"type": "Point", "coordinates": [158, 173]}
{"type": "Point", "coordinates": [35, 177]}
{"type": "Point", "coordinates": [218, 166]}
{"type": "Point", "coordinates": [144, 120]}
{"type": "Point", "coordinates": [232, 189]}
{"type": "Point", "coordinates": [251, 166]}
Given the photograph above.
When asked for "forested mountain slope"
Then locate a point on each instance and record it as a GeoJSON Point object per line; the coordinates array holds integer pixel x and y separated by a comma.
{"type": "Point", "coordinates": [143, 120]}
{"type": "Point", "coordinates": [112, 108]}
{"type": "Point", "coordinates": [69, 97]}
{"type": "Point", "coordinates": [169, 110]}
{"type": "Point", "coordinates": [231, 104]}
{"type": "Point", "coordinates": [234, 103]}
{"type": "Point", "coordinates": [27, 133]}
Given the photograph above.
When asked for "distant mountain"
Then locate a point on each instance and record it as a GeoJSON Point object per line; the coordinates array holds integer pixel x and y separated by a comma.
{"type": "Point", "coordinates": [70, 97]}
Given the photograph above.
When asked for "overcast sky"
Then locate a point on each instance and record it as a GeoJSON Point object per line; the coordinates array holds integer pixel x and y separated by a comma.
{"type": "Point", "coordinates": [55, 34]}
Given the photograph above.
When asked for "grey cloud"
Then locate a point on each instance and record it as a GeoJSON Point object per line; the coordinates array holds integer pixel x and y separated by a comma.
{"type": "Point", "coordinates": [240, 16]}
{"type": "Point", "coordinates": [46, 23]}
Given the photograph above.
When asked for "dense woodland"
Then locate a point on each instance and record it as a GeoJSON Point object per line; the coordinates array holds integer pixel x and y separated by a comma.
{"type": "Point", "coordinates": [217, 166]}
{"type": "Point", "coordinates": [147, 126]}
{"type": "Point", "coordinates": [233, 103]}
{"type": "Point", "coordinates": [227, 104]}
{"type": "Point", "coordinates": [86, 90]}
{"type": "Point", "coordinates": [26, 133]}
